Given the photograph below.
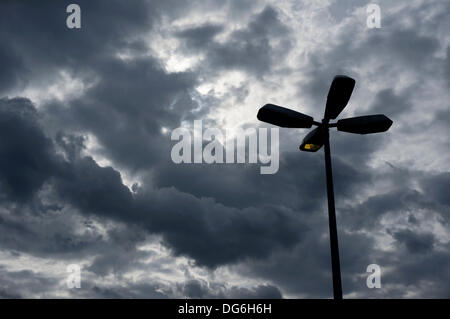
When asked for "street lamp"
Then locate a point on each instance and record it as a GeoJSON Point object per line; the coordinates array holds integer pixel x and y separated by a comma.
{"type": "Point", "coordinates": [338, 96]}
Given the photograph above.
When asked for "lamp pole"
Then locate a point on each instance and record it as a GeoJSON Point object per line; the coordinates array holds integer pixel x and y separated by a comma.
{"type": "Point", "coordinates": [335, 263]}
{"type": "Point", "coordinates": [340, 91]}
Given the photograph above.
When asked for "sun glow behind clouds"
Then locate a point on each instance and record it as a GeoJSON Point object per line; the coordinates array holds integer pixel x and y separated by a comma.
{"type": "Point", "coordinates": [163, 46]}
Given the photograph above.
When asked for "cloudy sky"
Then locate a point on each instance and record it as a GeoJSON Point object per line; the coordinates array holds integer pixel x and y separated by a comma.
{"type": "Point", "coordinates": [86, 175]}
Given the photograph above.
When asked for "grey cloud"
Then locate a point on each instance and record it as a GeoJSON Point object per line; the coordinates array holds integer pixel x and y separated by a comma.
{"type": "Point", "coordinates": [415, 243]}
{"type": "Point", "coordinates": [430, 195]}
{"type": "Point", "coordinates": [26, 158]}
{"type": "Point", "coordinates": [57, 45]}
{"type": "Point", "coordinates": [388, 102]}
{"type": "Point", "coordinates": [230, 233]}
{"type": "Point", "coordinates": [127, 291]}
{"type": "Point", "coordinates": [129, 126]}
{"type": "Point", "coordinates": [306, 269]}
{"type": "Point", "coordinates": [25, 284]}
{"type": "Point", "coordinates": [300, 181]}
{"type": "Point", "coordinates": [398, 47]}
{"type": "Point", "coordinates": [368, 214]}
{"type": "Point", "coordinates": [201, 289]}
{"type": "Point", "coordinates": [437, 186]}
{"type": "Point", "coordinates": [411, 48]}
{"type": "Point", "coordinates": [426, 275]}
{"type": "Point", "coordinates": [447, 66]}
{"type": "Point", "coordinates": [13, 70]}
{"type": "Point", "coordinates": [190, 289]}
{"type": "Point", "coordinates": [132, 101]}
{"type": "Point", "coordinates": [198, 37]}
{"type": "Point", "coordinates": [233, 234]}
{"type": "Point", "coordinates": [195, 289]}
{"type": "Point", "coordinates": [258, 292]}
{"type": "Point", "coordinates": [246, 49]}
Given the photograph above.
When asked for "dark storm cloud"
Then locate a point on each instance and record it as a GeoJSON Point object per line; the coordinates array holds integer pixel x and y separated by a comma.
{"type": "Point", "coordinates": [412, 48]}
{"type": "Point", "coordinates": [428, 273]}
{"type": "Point", "coordinates": [272, 226]}
{"type": "Point", "coordinates": [297, 185]}
{"type": "Point", "coordinates": [306, 269]}
{"type": "Point", "coordinates": [190, 289]}
{"type": "Point", "coordinates": [122, 291]}
{"type": "Point", "coordinates": [222, 234]}
{"type": "Point", "coordinates": [132, 100]}
{"type": "Point", "coordinates": [46, 46]}
{"type": "Point", "coordinates": [388, 102]}
{"type": "Point", "coordinates": [46, 42]}
{"type": "Point", "coordinates": [93, 188]}
{"type": "Point", "coordinates": [430, 195]}
{"type": "Point", "coordinates": [30, 166]}
{"type": "Point", "coordinates": [198, 37]}
{"type": "Point", "coordinates": [249, 48]}
{"type": "Point", "coordinates": [415, 243]}
{"type": "Point", "coordinates": [119, 252]}
{"type": "Point", "coordinates": [27, 233]}
{"type": "Point", "coordinates": [368, 214]}
{"type": "Point", "coordinates": [200, 289]}
{"type": "Point", "coordinates": [356, 150]}
{"type": "Point", "coordinates": [129, 125]}
{"type": "Point", "coordinates": [230, 233]}
{"type": "Point", "coordinates": [437, 187]}
{"type": "Point", "coordinates": [26, 158]}
{"type": "Point", "coordinates": [414, 249]}
{"type": "Point", "coordinates": [447, 66]}
{"type": "Point", "coordinates": [13, 69]}
{"type": "Point", "coordinates": [195, 289]}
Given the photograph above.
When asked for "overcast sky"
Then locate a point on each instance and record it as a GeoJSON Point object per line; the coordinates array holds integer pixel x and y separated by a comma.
{"type": "Point", "coordinates": [85, 170]}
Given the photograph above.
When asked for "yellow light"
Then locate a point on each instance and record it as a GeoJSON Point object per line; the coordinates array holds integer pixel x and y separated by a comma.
{"type": "Point", "coordinates": [312, 147]}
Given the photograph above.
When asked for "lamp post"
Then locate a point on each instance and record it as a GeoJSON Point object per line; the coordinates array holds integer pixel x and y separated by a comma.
{"type": "Point", "coordinates": [338, 96]}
